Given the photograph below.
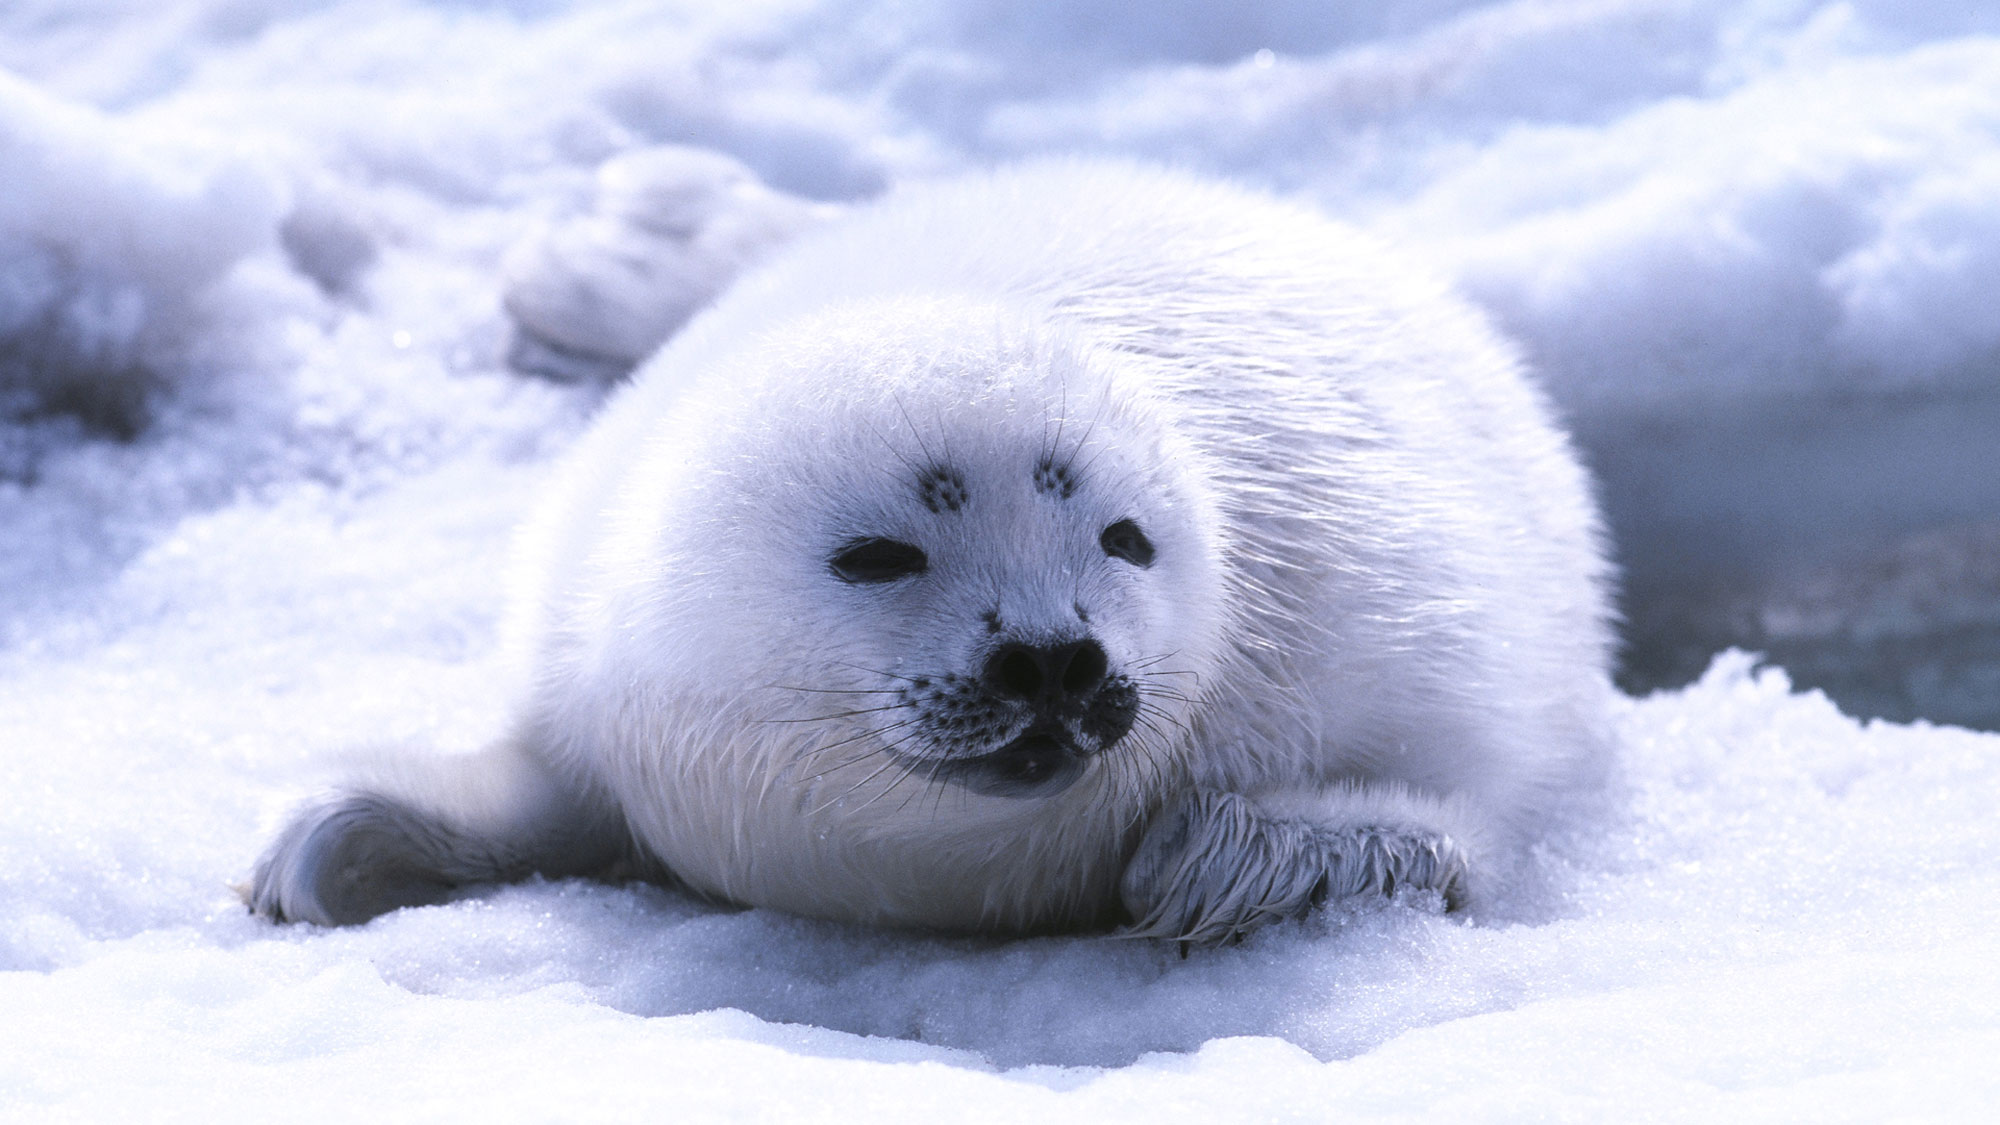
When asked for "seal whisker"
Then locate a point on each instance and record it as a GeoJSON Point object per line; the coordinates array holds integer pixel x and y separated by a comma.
{"type": "Point", "coordinates": [930, 782]}
{"type": "Point", "coordinates": [897, 398]}
{"type": "Point", "coordinates": [909, 766]}
{"type": "Point", "coordinates": [944, 435]}
{"type": "Point", "coordinates": [1150, 710]}
{"type": "Point", "coordinates": [1159, 713]}
{"type": "Point", "coordinates": [1147, 723]}
{"type": "Point", "coordinates": [885, 673]}
{"type": "Point", "coordinates": [893, 451]}
{"type": "Point", "coordinates": [877, 732]}
{"type": "Point", "coordinates": [1121, 758]}
{"type": "Point", "coordinates": [839, 714]}
{"type": "Point", "coordinates": [1103, 401]}
{"type": "Point", "coordinates": [838, 766]}
{"type": "Point", "coordinates": [888, 763]}
{"type": "Point", "coordinates": [1062, 419]}
{"type": "Point", "coordinates": [1082, 471]}
{"type": "Point", "coordinates": [819, 752]}
{"type": "Point", "coordinates": [1157, 760]}
{"type": "Point", "coordinates": [879, 672]}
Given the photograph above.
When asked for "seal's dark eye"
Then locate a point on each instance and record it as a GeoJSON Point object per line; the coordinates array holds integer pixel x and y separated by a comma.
{"type": "Point", "coordinates": [1124, 540]}
{"type": "Point", "coordinates": [878, 560]}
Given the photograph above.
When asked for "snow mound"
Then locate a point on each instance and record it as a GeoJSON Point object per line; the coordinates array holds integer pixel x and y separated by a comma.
{"type": "Point", "coordinates": [112, 244]}
{"type": "Point", "coordinates": [670, 227]}
{"type": "Point", "coordinates": [1812, 230]}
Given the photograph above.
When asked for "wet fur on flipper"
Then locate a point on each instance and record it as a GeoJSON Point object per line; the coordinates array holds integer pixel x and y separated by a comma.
{"type": "Point", "coordinates": [1217, 865]}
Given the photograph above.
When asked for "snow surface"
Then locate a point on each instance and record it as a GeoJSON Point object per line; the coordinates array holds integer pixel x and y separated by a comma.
{"type": "Point", "coordinates": [260, 457]}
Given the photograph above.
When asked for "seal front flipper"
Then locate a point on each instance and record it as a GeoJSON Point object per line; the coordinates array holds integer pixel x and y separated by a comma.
{"type": "Point", "coordinates": [1216, 865]}
{"type": "Point", "coordinates": [413, 835]}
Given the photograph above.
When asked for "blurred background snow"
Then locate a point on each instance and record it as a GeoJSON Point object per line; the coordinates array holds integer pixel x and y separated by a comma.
{"type": "Point", "coordinates": [281, 361]}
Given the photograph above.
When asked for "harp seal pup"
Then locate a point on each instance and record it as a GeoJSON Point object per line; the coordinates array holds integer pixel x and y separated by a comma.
{"type": "Point", "coordinates": [1068, 547]}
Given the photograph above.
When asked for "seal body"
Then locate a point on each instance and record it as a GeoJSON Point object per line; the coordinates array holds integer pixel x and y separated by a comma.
{"type": "Point", "coordinates": [1075, 544]}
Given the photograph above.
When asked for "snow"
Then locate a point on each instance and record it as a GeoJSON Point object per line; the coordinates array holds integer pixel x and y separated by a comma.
{"type": "Point", "coordinates": [261, 454]}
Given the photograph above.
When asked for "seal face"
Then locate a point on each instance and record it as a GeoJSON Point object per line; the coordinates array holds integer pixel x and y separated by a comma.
{"type": "Point", "coordinates": [1078, 544]}
{"type": "Point", "coordinates": [1034, 712]}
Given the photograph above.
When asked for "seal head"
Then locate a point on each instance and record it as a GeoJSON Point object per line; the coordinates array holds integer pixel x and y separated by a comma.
{"type": "Point", "coordinates": [958, 606]}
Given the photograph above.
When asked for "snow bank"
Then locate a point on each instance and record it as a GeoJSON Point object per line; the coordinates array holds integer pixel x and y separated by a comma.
{"type": "Point", "coordinates": [111, 241]}
{"type": "Point", "coordinates": [282, 230]}
{"type": "Point", "coordinates": [1666, 199]}
{"type": "Point", "coordinates": [1819, 228]}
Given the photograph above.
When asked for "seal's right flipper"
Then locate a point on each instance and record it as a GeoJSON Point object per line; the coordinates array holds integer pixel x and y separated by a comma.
{"type": "Point", "coordinates": [1217, 865]}
{"type": "Point", "coordinates": [413, 836]}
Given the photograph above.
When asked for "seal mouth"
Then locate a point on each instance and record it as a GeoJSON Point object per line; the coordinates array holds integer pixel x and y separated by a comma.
{"type": "Point", "coordinates": [1037, 764]}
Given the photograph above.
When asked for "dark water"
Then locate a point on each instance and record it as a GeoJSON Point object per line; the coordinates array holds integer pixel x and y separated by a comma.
{"type": "Point", "coordinates": [1854, 542]}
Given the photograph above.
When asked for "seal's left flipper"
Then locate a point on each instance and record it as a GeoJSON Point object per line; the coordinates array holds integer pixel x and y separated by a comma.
{"type": "Point", "coordinates": [1217, 865]}
{"type": "Point", "coordinates": [415, 834]}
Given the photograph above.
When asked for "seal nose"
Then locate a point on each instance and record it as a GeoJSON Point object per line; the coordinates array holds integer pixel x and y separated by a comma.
{"type": "Point", "coordinates": [1047, 675]}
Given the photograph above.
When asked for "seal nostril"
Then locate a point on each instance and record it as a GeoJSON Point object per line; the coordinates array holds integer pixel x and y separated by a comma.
{"type": "Point", "coordinates": [1049, 675]}
{"type": "Point", "coordinates": [1018, 673]}
{"type": "Point", "coordinates": [1085, 669]}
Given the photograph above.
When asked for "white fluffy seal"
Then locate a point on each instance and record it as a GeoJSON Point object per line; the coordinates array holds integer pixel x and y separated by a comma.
{"type": "Point", "coordinates": [1074, 545]}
